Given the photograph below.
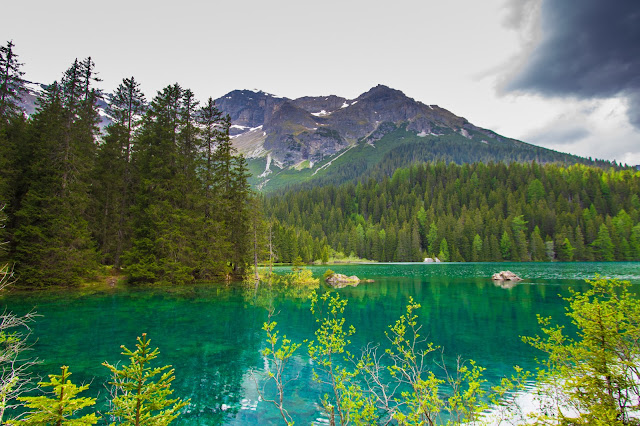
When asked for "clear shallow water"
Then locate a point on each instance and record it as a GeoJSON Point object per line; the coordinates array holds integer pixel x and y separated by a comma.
{"type": "Point", "coordinates": [212, 335]}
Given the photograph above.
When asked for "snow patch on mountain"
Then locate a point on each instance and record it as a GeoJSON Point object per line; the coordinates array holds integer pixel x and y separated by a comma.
{"type": "Point", "coordinates": [328, 164]}
{"type": "Point", "coordinates": [267, 169]}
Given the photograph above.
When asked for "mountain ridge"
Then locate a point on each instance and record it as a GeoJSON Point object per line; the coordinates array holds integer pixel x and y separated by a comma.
{"type": "Point", "coordinates": [282, 137]}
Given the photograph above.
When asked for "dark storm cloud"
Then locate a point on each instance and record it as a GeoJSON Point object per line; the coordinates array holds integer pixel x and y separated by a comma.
{"type": "Point", "coordinates": [587, 48]}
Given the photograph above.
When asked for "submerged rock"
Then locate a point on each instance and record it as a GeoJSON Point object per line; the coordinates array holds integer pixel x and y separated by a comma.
{"type": "Point", "coordinates": [341, 280]}
{"type": "Point", "coordinates": [505, 276]}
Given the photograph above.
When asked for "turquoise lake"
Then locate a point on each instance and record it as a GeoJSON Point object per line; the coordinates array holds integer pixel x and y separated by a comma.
{"type": "Point", "coordinates": [211, 333]}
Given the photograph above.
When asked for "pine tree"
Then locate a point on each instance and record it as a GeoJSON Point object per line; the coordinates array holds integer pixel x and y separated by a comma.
{"type": "Point", "coordinates": [432, 238]}
{"type": "Point", "coordinates": [443, 255]}
{"type": "Point", "coordinates": [61, 407]}
{"type": "Point", "coordinates": [112, 192]}
{"type": "Point", "coordinates": [476, 251]}
{"type": "Point", "coordinates": [537, 246]}
{"type": "Point", "coordinates": [12, 87]}
{"type": "Point", "coordinates": [52, 242]}
{"type": "Point", "coordinates": [231, 182]}
{"type": "Point", "coordinates": [210, 122]}
{"type": "Point", "coordinates": [142, 392]}
{"type": "Point", "coordinates": [603, 246]}
{"type": "Point", "coordinates": [12, 124]}
{"type": "Point", "coordinates": [635, 242]}
{"type": "Point", "coordinates": [162, 248]}
{"type": "Point", "coordinates": [519, 247]}
{"type": "Point", "coordinates": [506, 246]}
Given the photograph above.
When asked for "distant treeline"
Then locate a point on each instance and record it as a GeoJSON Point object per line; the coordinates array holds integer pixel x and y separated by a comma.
{"type": "Point", "coordinates": [160, 191]}
{"type": "Point", "coordinates": [474, 212]}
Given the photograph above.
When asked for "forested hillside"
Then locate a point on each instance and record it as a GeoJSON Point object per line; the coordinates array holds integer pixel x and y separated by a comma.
{"type": "Point", "coordinates": [401, 148]}
{"type": "Point", "coordinates": [161, 193]}
{"type": "Point", "coordinates": [474, 212]}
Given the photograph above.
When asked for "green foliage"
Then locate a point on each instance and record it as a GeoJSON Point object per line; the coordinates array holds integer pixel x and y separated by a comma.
{"type": "Point", "coordinates": [594, 377]}
{"type": "Point", "coordinates": [11, 84]}
{"type": "Point", "coordinates": [278, 353]}
{"type": "Point", "coordinates": [141, 393]}
{"type": "Point", "coordinates": [443, 254]}
{"type": "Point", "coordinates": [397, 386]}
{"type": "Point", "coordinates": [161, 192]}
{"type": "Point", "coordinates": [61, 407]}
{"type": "Point", "coordinates": [603, 246]}
{"type": "Point", "coordinates": [50, 221]}
{"type": "Point", "coordinates": [15, 377]}
{"type": "Point", "coordinates": [347, 401]}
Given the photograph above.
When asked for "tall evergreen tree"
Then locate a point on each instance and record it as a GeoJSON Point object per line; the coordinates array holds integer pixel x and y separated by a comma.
{"type": "Point", "coordinates": [113, 189]}
{"type": "Point", "coordinates": [52, 242]}
{"type": "Point", "coordinates": [603, 246]}
{"type": "Point", "coordinates": [160, 246]}
{"type": "Point", "coordinates": [12, 87]}
{"type": "Point", "coordinates": [231, 182]}
{"type": "Point", "coordinates": [215, 247]}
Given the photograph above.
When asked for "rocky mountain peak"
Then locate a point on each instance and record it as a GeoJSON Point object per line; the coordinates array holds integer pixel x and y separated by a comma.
{"type": "Point", "coordinates": [311, 128]}
{"type": "Point", "coordinates": [382, 92]}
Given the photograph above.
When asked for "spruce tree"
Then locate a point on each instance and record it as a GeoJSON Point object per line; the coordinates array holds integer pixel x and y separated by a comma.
{"type": "Point", "coordinates": [12, 123]}
{"type": "Point", "coordinates": [231, 182]}
{"type": "Point", "coordinates": [113, 189]}
{"type": "Point", "coordinates": [12, 86]}
{"type": "Point", "coordinates": [52, 243]}
{"type": "Point", "coordinates": [214, 246]}
{"type": "Point", "coordinates": [603, 246]}
{"type": "Point", "coordinates": [61, 407]}
{"type": "Point", "coordinates": [142, 393]}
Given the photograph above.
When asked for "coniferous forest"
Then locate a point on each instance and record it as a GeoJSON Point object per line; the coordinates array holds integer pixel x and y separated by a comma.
{"type": "Point", "coordinates": [474, 212]}
{"type": "Point", "coordinates": [160, 191]}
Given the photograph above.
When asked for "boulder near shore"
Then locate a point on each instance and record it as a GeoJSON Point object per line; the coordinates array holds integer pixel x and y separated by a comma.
{"type": "Point", "coordinates": [341, 280]}
{"type": "Point", "coordinates": [505, 276]}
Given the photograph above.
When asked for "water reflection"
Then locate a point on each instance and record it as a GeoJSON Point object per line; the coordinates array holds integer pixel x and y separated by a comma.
{"type": "Point", "coordinates": [211, 333]}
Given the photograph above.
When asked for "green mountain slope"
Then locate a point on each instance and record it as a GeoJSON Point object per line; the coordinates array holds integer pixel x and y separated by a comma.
{"type": "Point", "coordinates": [400, 148]}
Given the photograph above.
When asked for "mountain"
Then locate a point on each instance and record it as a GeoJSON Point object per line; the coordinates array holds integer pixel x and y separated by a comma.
{"type": "Point", "coordinates": [332, 139]}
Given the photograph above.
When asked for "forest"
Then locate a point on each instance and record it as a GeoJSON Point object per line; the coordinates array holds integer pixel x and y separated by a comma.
{"type": "Point", "coordinates": [472, 212]}
{"type": "Point", "coordinates": [160, 192]}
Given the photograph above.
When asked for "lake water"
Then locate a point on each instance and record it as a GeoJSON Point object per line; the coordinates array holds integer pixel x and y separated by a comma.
{"type": "Point", "coordinates": [212, 335]}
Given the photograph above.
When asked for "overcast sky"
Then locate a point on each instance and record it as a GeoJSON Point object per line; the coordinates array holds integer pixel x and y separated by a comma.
{"type": "Point", "coordinates": [557, 73]}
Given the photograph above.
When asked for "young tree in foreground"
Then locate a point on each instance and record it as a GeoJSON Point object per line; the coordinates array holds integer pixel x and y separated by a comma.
{"type": "Point", "coordinates": [15, 378]}
{"type": "Point", "coordinates": [278, 356]}
{"type": "Point", "coordinates": [141, 398]}
{"type": "Point", "coordinates": [60, 408]}
{"type": "Point", "coordinates": [595, 377]}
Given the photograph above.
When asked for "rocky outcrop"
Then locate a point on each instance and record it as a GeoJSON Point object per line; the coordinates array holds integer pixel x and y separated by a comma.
{"type": "Point", "coordinates": [312, 128]}
{"type": "Point", "coordinates": [505, 276]}
{"type": "Point", "coordinates": [341, 280]}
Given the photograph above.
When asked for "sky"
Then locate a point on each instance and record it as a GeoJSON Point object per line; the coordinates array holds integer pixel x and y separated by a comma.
{"type": "Point", "coordinates": [556, 73]}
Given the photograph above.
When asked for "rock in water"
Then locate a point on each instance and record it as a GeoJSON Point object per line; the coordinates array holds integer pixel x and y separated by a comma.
{"type": "Point", "coordinates": [341, 280]}
{"type": "Point", "coordinates": [505, 276]}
